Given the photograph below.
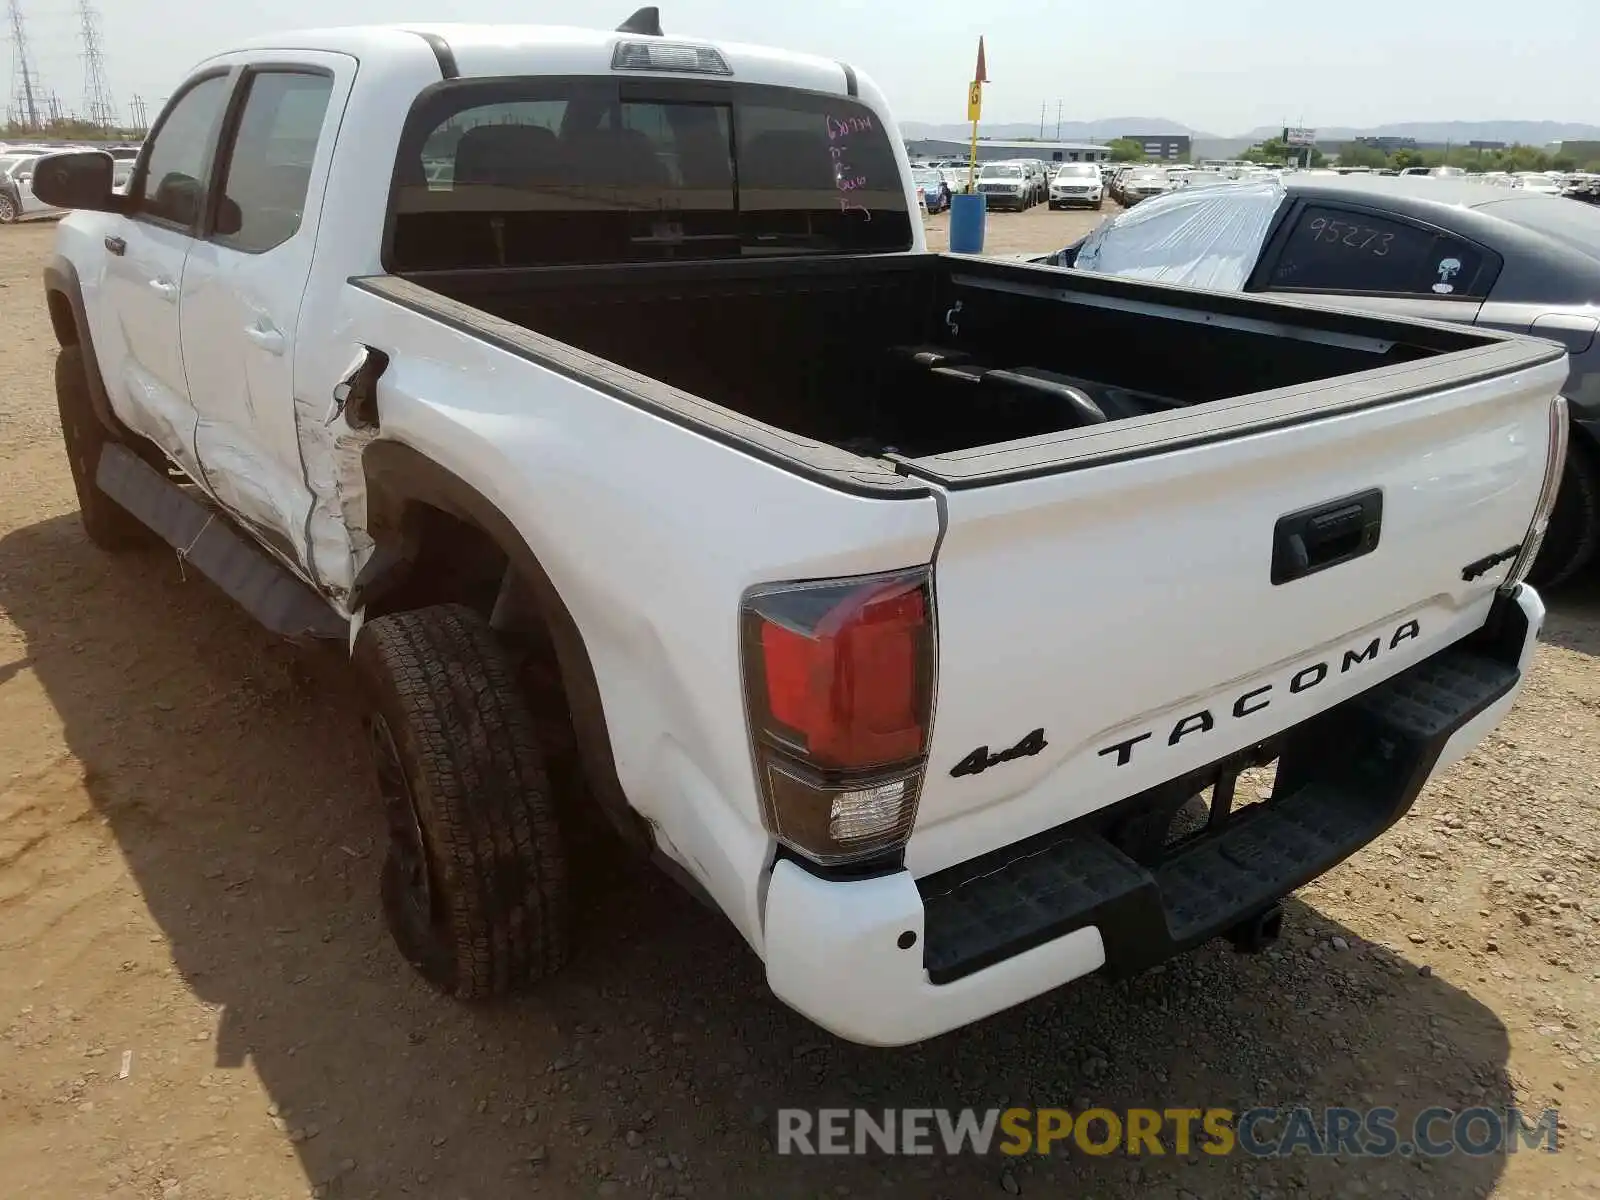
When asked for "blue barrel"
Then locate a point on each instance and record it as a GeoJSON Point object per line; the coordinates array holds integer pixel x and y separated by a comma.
{"type": "Point", "coordinates": [967, 219]}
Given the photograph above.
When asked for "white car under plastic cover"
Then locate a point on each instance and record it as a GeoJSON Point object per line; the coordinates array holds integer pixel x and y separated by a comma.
{"type": "Point", "coordinates": [1187, 237]}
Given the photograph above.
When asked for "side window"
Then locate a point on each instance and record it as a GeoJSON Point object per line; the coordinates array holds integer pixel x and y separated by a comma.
{"type": "Point", "coordinates": [268, 170]}
{"type": "Point", "coordinates": [1335, 250]}
{"type": "Point", "coordinates": [174, 180]}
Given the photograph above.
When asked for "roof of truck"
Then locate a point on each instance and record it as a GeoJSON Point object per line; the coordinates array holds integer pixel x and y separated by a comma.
{"type": "Point", "coordinates": [488, 50]}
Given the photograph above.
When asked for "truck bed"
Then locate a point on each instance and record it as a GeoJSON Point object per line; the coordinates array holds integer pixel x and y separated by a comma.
{"type": "Point", "coordinates": [933, 361]}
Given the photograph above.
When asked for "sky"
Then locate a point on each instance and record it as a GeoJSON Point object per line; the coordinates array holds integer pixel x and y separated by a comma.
{"type": "Point", "coordinates": [1221, 66]}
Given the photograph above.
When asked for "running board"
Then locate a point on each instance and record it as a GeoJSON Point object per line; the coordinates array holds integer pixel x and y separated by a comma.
{"type": "Point", "coordinates": [207, 540]}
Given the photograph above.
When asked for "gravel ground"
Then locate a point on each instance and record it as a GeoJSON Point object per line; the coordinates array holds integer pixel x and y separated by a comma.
{"type": "Point", "coordinates": [197, 999]}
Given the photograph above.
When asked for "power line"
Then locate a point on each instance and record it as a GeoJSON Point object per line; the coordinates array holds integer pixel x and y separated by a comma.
{"type": "Point", "coordinates": [99, 108]}
{"type": "Point", "coordinates": [29, 92]}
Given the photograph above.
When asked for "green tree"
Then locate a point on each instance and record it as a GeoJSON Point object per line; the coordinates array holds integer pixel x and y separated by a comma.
{"type": "Point", "coordinates": [1354, 154]}
{"type": "Point", "coordinates": [1126, 150]}
{"type": "Point", "coordinates": [1401, 160]}
{"type": "Point", "coordinates": [1271, 152]}
{"type": "Point", "coordinates": [68, 129]}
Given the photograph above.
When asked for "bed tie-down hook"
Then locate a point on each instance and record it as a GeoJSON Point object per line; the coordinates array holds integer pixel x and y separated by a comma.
{"type": "Point", "coordinates": [950, 322]}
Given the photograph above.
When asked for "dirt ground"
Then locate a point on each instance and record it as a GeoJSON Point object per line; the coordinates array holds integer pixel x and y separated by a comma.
{"type": "Point", "coordinates": [198, 1000]}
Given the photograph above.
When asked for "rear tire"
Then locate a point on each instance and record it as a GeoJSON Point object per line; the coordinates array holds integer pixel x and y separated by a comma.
{"type": "Point", "coordinates": [8, 210]}
{"type": "Point", "coordinates": [1574, 533]}
{"type": "Point", "coordinates": [474, 886]}
{"type": "Point", "coordinates": [108, 524]}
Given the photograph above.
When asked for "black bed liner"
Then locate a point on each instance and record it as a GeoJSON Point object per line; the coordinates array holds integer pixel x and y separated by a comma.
{"type": "Point", "coordinates": [1416, 357]}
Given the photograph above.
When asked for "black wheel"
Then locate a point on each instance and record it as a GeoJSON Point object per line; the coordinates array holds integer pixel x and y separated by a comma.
{"type": "Point", "coordinates": [474, 886]}
{"type": "Point", "coordinates": [8, 209]}
{"type": "Point", "coordinates": [1574, 532]}
{"type": "Point", "coordinates": [1098, 204]}
{"type": "Point", "coordinates": [108, 524]}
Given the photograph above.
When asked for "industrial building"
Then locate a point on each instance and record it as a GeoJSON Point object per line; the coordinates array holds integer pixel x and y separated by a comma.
{"type": "Point", "coordinates": [992, 150]}
{"type": "Point", "coordinates": [1162, 147]}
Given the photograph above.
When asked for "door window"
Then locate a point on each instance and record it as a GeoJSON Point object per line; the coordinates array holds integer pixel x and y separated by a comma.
{"type": "Point", "coordinates": [1341, 250]}
{"type": "Point", "coordinates": [172, 185]}
{"type": "Point", "coordinates": [268, 171]}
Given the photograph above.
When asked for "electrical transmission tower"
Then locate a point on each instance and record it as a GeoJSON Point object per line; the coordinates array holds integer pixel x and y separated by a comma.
{"type": "Point", "coordinates": [140, 114]}
{"type": "Point", "coordinates": [29, 94]}
{"type": "Point", "coordinates": [99, 108]}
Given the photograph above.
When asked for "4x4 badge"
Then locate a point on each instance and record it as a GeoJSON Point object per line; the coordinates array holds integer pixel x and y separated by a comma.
{"type": "Point", "coordinates": [981, 760]}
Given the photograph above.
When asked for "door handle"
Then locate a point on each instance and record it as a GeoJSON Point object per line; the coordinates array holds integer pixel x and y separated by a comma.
{"type": "Point", "coordinates": [165, 288]}
{"type": "Point", "coordinates": [1315, 539]}
{"type": "Point", "coordinates": [117, 246]}
{"type": "Point", "coordinates": [269, 340]}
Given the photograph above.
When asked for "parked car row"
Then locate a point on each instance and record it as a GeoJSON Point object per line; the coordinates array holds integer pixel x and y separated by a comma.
{"type": "Point", "coordinates": [933, 188]}
{"type": "Point", "coordinates": [1017, 184]}
{"type": "Point", "coordinates": [1130, 185]}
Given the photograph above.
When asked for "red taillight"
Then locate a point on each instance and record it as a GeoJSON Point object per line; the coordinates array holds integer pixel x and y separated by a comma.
{"type": "Point", "coordinates": [839, 683]}
{"type": "Point", "coordinates": [849, 687]}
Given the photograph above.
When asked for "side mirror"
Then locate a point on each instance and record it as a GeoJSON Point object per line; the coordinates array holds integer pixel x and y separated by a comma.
{"type": "Point", "coordinates": [76, 179]}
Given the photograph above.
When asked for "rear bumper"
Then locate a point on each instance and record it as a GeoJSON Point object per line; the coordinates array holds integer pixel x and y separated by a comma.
{"type": "Point", "coordinates": [892, 959]}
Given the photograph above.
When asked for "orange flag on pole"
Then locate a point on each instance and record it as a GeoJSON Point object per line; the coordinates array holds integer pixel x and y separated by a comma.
{"type": "Point", "coordinates": [981, 75]}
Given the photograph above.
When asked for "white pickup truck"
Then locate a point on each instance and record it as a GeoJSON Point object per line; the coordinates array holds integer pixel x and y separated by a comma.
{"type": "Point", "coordinates": [597, 391]}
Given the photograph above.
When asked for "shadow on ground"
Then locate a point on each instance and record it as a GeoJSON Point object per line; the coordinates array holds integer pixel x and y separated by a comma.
{"type": "Point", "coordinates": [1574, 617]}
{"type": "Point", "coordinates": [230, 770]}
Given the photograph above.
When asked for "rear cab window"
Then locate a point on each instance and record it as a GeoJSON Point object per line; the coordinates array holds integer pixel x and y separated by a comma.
{"type": "Point", "coordinates": [1334, 249]}
{"type": "Point", "coordinates": [558, 171]}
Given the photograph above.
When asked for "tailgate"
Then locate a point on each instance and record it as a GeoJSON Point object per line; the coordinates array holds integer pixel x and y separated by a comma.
{"type": "Point", "coordinates": [1109, 626]}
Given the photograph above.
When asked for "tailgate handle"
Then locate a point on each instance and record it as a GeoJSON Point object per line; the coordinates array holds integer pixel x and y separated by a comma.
{"type": "Point", "coordinates": [1326, 535]}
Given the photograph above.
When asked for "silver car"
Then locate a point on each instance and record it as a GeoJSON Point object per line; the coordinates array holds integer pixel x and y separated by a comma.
{"type": "Point", "coordinates": [17, 201]}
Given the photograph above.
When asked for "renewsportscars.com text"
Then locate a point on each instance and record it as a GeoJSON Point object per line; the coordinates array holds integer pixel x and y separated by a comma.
{"type": "Point", "coordinates": [1261, 1132]}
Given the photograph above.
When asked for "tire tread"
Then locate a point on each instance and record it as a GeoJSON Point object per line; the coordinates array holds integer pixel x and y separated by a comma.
{"type": "Point", "coordinates": [467, 740]}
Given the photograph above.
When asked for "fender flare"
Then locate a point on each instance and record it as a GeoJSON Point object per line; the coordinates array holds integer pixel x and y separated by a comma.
{"type": "Point", "coordinates": [397, 476]}
{"type": "Point", "coordinates": [72, 328]}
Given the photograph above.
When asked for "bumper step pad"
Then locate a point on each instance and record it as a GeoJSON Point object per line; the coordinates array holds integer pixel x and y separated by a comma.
{"type": "Point", "coordinates": [1343, 778]}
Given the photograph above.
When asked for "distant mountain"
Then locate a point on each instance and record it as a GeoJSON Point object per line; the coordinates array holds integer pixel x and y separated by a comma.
{"type": "Point", "coordinates": [1070, 131]}
{"type": "Point", "coordinates": [1529, 133]}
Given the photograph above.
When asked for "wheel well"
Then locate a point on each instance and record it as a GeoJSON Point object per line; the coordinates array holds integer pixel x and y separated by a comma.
{"type": "Point", "coordinates": [61, 318]}
{"type": "Point", "coordinates": [440, 540]}
{"type": "Point", "coordinates": [452, 560]}
{"type": "Point", "coordinates": [449, 560]}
